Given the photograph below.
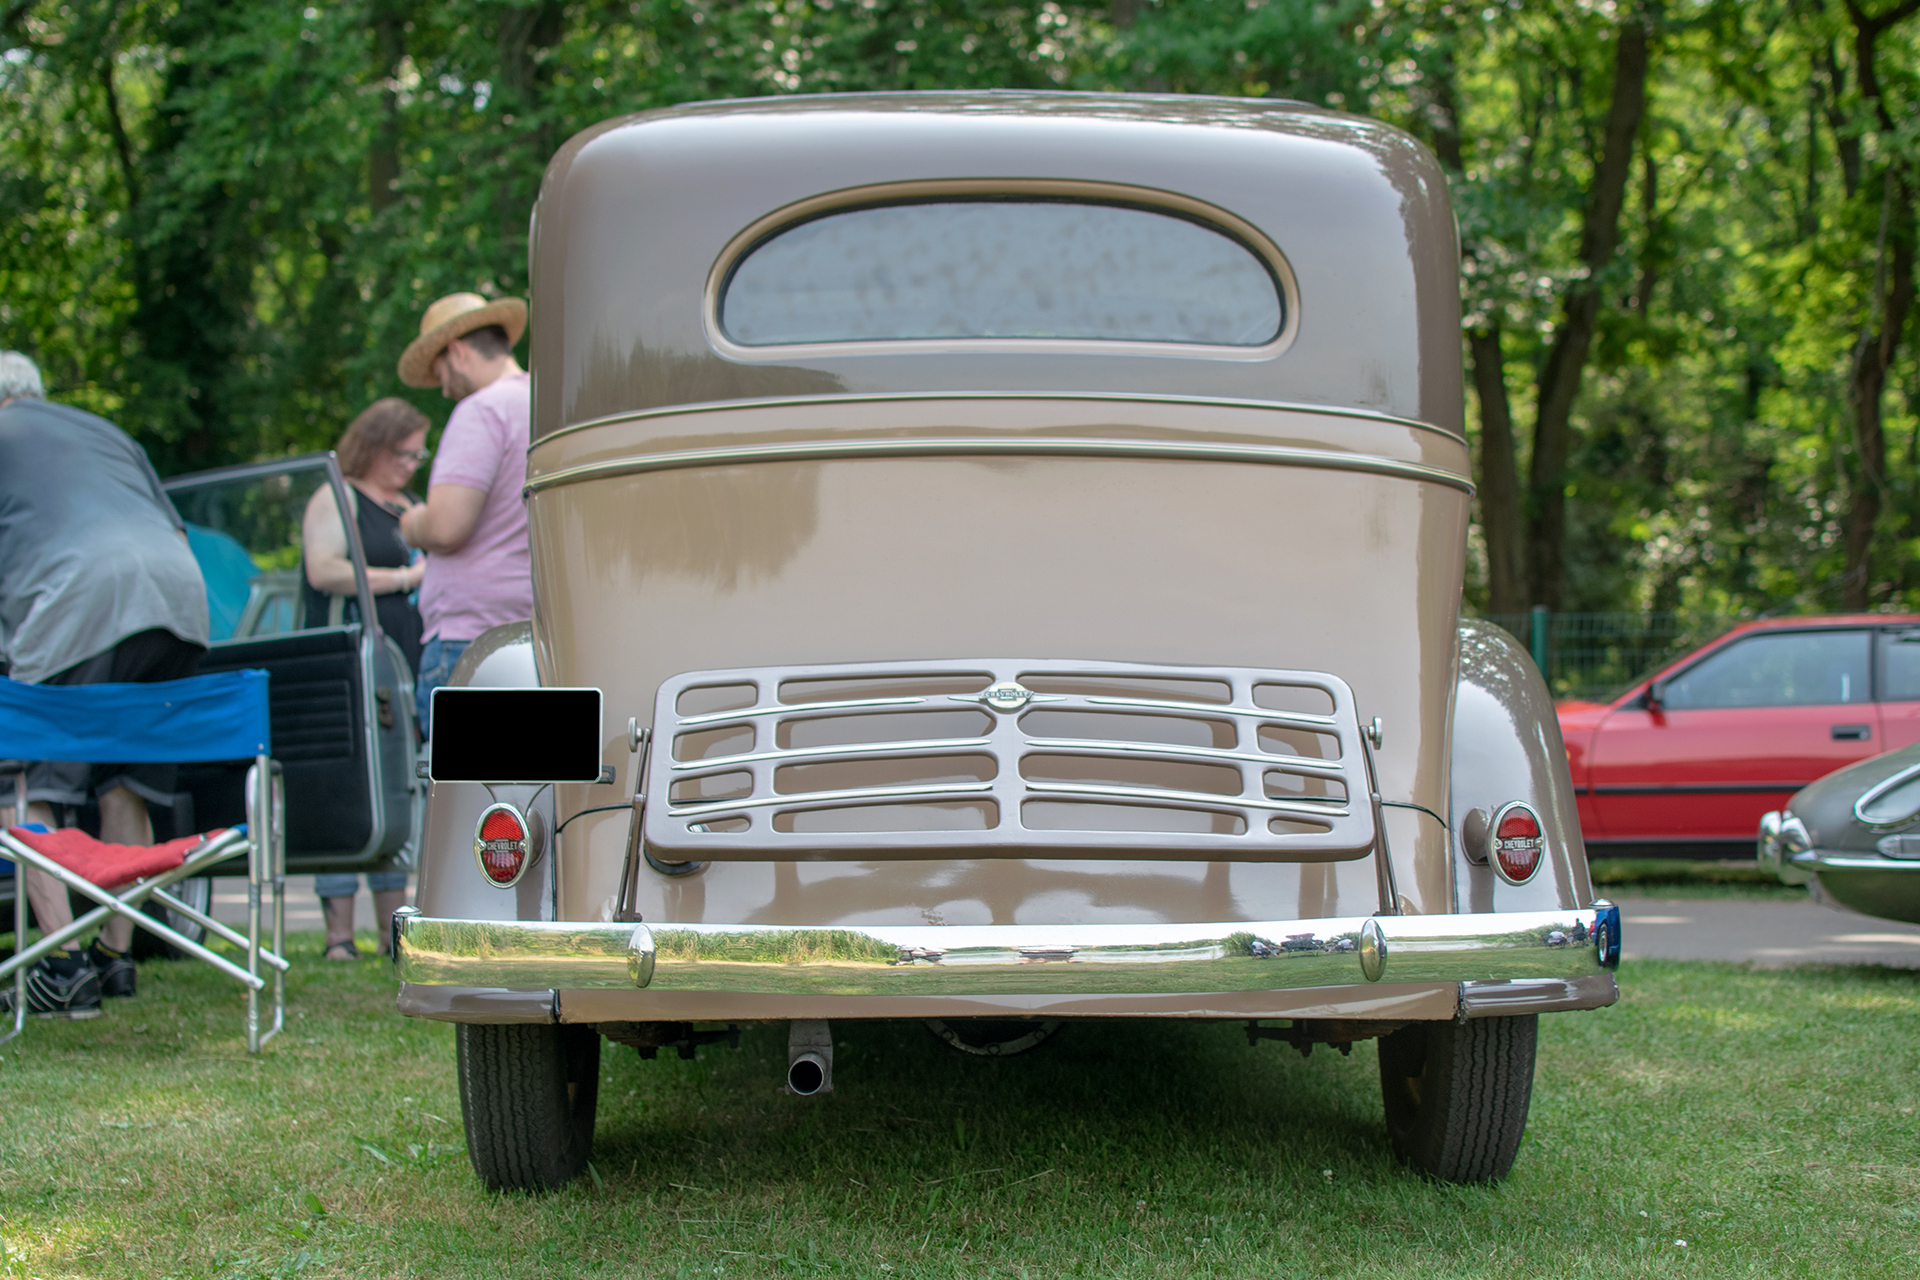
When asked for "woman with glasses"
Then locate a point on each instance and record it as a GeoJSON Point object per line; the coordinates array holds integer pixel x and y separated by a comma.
{"type": "Point", "coordinates": [378, 454]}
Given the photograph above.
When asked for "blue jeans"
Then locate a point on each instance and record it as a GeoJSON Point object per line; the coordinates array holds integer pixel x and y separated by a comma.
{"type": "Point", "coordinates": [437, 659]}
{"type": "Point", "coordinates": [346, 883]}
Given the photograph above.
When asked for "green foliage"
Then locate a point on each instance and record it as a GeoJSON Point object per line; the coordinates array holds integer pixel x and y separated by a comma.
{"type": "Point", "coordinates": [221, 221]}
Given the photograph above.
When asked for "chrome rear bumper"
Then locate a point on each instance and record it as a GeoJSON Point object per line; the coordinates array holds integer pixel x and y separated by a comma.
{"type": "Point", "coordinates": [1006, 959]}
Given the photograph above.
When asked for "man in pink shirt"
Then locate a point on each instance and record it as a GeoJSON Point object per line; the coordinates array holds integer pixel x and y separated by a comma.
{"type": "Point", "coordinates": [473, 525]}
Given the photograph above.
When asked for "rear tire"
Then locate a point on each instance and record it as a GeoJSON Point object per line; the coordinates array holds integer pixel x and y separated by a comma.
{"type": "Point", "coordinates": [1457, 1095]}
{"type": "Point", "coordinates": [528, 1093]}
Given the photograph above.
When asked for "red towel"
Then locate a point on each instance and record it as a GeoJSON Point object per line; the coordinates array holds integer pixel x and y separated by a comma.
{"type": "Point", "coordinates": [107, 865]}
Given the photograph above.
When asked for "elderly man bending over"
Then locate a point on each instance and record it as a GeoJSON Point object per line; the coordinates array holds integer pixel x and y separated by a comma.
{"type": "Point", "coordinates": [96, 585]}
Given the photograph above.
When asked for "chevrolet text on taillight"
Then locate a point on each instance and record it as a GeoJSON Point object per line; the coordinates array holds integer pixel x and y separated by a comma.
{"type": "Point", "coordinates": [500, 845]}
{"type": "Point", "coordinates": [1517, 843]}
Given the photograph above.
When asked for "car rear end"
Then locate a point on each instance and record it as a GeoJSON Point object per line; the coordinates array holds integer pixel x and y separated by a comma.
{"type": "Point", "coordinates": [1101, 664]}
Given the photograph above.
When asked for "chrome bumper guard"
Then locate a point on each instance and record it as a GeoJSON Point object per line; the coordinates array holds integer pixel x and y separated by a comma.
{"type": "Point", "coordinates": [1007, 959]}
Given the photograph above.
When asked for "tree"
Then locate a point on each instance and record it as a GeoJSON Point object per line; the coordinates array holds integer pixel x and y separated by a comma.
{"type": "Point", "coordinates": [1889, 304]}
{"type": "Point", "coordinates": [1688, 228]}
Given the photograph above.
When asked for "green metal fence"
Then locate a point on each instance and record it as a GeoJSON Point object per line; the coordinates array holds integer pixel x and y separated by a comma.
{"type": "Point", "coordinates": [1597, 655]}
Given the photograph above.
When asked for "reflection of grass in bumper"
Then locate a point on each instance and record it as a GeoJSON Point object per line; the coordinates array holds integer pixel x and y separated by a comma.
{"type": "Point", "coordinates": [1230, 967]}
{"type": "Point", "coordinates": [1231, 974]}
{"type": "Point", "coordinates": [774, 947]}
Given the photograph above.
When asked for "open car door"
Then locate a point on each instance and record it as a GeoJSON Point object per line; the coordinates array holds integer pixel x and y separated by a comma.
{"type": "Point", "coordinates": [340, 691]}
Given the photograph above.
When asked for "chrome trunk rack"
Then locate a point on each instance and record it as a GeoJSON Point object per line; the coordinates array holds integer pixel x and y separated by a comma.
{"type": "Point", "coordinates": [1007, 757]}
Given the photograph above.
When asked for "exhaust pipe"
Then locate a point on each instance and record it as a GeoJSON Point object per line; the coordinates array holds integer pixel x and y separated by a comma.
{"type": "Point", "coordinates": [809, 1058]}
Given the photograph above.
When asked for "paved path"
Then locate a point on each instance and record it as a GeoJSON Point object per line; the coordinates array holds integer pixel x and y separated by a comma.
{"type": "Point", "coordinates": [303, 909]}
{"type": "Point", "coordinates": [1765, 933]}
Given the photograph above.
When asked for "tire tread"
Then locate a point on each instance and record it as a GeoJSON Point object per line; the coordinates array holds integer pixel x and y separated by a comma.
{"type": "Point", "coordinates": [524, 1131]}
{"type": "Point", "coordinates": [1477, 1086]}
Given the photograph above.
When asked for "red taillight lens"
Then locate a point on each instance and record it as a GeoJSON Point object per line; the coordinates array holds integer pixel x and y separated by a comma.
{"type": "Point", "coordinates": [500, 844]}
{"type": "Point", "coordinates": [1517, 844]}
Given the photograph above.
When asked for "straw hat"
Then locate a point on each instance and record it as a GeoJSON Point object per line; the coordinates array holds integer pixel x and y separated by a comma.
{"type": "Point", "coordinates": [451, 317]}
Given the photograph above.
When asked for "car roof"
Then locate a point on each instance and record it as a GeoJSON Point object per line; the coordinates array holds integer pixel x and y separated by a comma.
{"type": "Point", "coordinates": [639, 217]}
{"type": "Point", "coordinates": [1805, 622]}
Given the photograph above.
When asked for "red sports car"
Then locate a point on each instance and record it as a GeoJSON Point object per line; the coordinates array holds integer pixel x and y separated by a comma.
{"type": "Point", "coordinates": [1687, 761]}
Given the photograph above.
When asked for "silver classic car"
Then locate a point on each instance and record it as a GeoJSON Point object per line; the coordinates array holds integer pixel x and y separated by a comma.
{"type": "Point", "coordinates": [997, 560]}
{"type": "Point", "coordinates": [1854, 837]}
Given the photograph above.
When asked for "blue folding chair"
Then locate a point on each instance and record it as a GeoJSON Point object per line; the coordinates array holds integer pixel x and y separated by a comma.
{"type": "Point", "coordinates": [206, 718]}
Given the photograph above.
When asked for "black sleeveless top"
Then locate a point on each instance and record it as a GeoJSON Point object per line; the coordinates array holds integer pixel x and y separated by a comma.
{"type": "Point", "coordinates": [385, 549]}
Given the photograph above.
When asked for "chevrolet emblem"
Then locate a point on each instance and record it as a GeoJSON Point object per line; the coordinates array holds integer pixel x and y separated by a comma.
{"type": "Point", "coordinates": [1008, 695]}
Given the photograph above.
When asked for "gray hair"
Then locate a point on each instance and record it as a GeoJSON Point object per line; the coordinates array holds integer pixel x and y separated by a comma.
{"type": "Point", "coordinates": [19, 378]}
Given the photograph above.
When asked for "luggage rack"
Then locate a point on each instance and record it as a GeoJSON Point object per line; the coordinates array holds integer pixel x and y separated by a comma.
{"type": "Point", "coordinates": [1007, 757]}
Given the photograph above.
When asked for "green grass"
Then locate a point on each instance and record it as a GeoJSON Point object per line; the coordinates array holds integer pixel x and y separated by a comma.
{"type": "Point", "coordinates": [1767, 1118]}
{"type": "Point", "coordinates": [1686, 878]}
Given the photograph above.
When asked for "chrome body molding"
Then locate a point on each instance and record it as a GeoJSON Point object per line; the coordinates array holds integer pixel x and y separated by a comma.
{"type": "Point", "coordinates": [907, 960]}
{"type": "Point", "coordinates": [1005, 447]}
{"type": "Point", "coordinates": [894, 397]}
{"type": "Point", "coordinates": [1869, 811]}
{"type": "Point", "coordinates": [1815, 861]}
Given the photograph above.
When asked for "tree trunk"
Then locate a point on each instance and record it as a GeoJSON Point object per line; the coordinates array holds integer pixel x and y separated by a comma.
{"type": "Point", "coordinates": [1650, 222]}
{"type": "Point", "coordinates": [1499, 487]}
{"type": "Point", "coordinates": [525, 33]}
{"type": "Point", "coordinates": [1846, 143]}
{"type": "Point", "coordinates": [389, 24]}
{"type": "Point", "coordinates": [1879, 340]}
{"type": "Point", "coordinates": [1560, 376]}
{"type": "Point", "coordinates": [122, 144]}
{"type": "Point", "coordinates": [1499, 475]}
{"type": "Point", "coordinates": [1867, 372]}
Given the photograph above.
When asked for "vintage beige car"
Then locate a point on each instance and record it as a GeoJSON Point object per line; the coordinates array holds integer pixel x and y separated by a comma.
{"type": "Point", "coordinates": [997, 560]}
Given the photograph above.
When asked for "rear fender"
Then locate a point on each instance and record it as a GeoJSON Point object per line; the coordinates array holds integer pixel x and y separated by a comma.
{"type": "Point", "coordinates": [450, 879]}
{"type": "Point", "coordinates": [1507, 747]}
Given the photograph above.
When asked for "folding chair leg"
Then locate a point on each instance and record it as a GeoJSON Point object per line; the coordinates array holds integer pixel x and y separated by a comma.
{"type": "Point", "coordinates": [207, 922]}
{"type": "Point", "coordinates": [19, 945]}
{"type": "Point", "coordinates": [128, 906]}
{"type": "Point", "coordinates": [266, 831]}
{"type": "Point", "coordinates": [19, 916]}
{"type": "Point", "coordinates": [279, 851]}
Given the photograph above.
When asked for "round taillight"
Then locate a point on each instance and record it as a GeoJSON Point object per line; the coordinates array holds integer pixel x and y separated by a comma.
{"type": "Point", "coordinates": [500, 844]}
{"type": "Point", "coordinates": [1517, 843]}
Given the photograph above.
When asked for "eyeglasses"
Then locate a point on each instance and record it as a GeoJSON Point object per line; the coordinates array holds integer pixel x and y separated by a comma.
{"type": "Point", "coordinates": [415, 456]}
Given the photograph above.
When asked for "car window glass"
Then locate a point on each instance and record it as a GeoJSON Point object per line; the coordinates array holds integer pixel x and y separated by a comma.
{"type": "Point", "coordinates": [1896, 805]}
{"type": "Point", "coordinates": [1900, 666]}
{"type": "Point", "coordinates": [1790, 669]}
{"type": "Point", "coordinates": [246, 532]}
{"type": "Point", "coordinates": [1001, 269]}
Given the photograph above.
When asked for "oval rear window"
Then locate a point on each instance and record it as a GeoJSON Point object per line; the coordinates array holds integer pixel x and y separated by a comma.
{"type": "Point", "coordinates": [1001, 269]}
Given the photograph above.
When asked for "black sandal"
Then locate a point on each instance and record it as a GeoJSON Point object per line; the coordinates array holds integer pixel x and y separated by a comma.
{"type": "Point", "coordinates": [341, 951]}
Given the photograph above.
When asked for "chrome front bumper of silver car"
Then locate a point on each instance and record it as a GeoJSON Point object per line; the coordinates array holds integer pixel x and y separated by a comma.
{"type": "Point", "coordinates": [1006, 959]}
{"type": "Point", "coordinates": [1787, 850]}
{"type": "Point", "coordinates": [1815, 861]}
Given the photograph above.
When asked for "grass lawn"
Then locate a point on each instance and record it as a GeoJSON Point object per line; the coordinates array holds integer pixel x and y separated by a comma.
{"type": "Point", "coordinates": [1622, 878]}
{"type": "Point", "coordinates": [1766, 1118]}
